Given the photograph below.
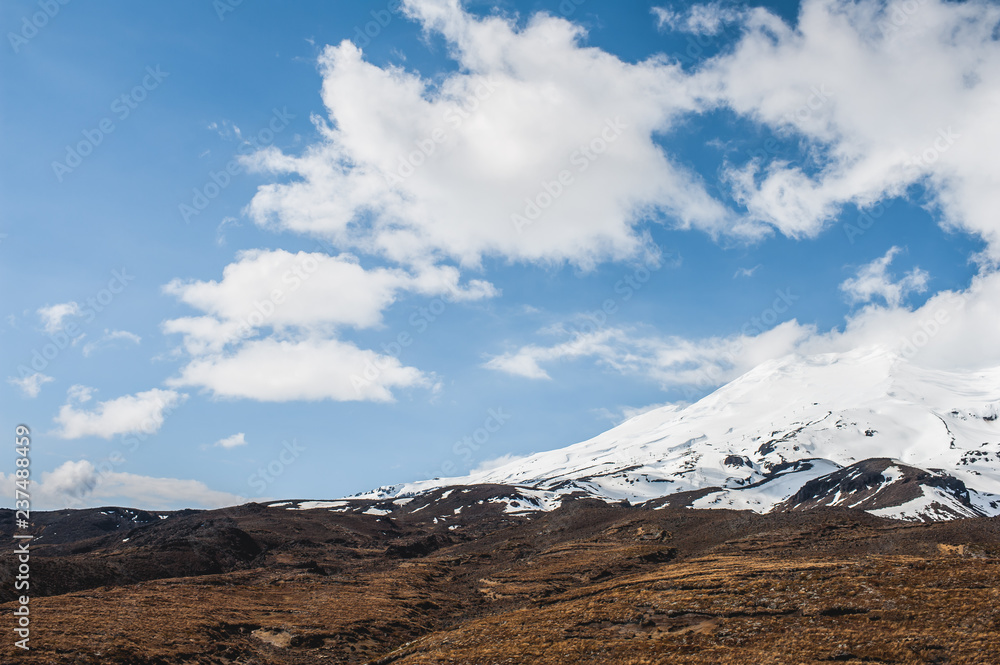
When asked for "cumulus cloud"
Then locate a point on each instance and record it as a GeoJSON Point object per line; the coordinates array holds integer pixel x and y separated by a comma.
{"type": "Point", "coordinates": [52, 316]}
{"type": "Point", "coordinates": [73, 479]}
{"type": "Point", "coordinates": [538, 148]}
{"type": "Point", "coordinates": [142, 412]}
{"type": "Point", "coordinates": [238, 439]}
{"type": "Point", "coordinates": [269, 328]}
{"type": "Point", "coordinates": [302, 291]}
{"type": "Point", "coordinates": [78, 484]}
{"type": "Point", "coordinates": [880, 96]}
{"type": "Point", "coordinates": [162, 493]}
{"type": "Point", "coordinates": [946, 332]}
{"type": "Point", "coordinates": [271, 370]}
{"type": "Point", "coordinates": [535, 148]}
{"type": "Point", "coordinates": [885, 95]}
{"type": "Point", "coordinates": [873, 281]}
{"type": "Point", "coordinates": [30, 384]}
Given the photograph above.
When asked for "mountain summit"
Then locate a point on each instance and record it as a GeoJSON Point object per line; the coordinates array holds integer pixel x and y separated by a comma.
{"type": "Point", "coordinates": [865, 429]}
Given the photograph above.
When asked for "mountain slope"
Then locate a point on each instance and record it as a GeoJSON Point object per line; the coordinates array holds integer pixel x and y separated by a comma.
{"type": "Point", "coordinates": [791, 434]}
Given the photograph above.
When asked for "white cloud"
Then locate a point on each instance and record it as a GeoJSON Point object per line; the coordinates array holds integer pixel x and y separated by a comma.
{"type": "Point", "coordinates": [873, 281]}
{"type": "Point", "coordinates": [30, 384]}
{"type": "Point", "coordinates": [705, 19]}
{"type": "Point", "coordinates": [80, 394]}
{"type": "Point", "coordinates": [671, 361]}
{"type": "Point", "coordinates": [53, 315]}
{"type": "Point", "coordinates": [73, 479]}
{"type": "Point", "coordinates": [524, 362]}
{"type": "Point", "coordinates": [666, 19]}
{"type": "Point", "coordinates": [877, 110]}
{"type": "Point", "coordinates": [416, 171]}
{"type": "Point", "coordinates": [945, 332]}
{"type": "Point", "coordinates": [273, 370]}
{"type": "Point", "coordinates": [226, 130]}
{"type": "Point", "coordinates": [283, 311]}
{"type": "Point", "coordinates": [162, 493]}
{"type": "Point", "coordinates": [306, 290]}
{"type": "Point", "coordinates": [207, 334]}
{"type": "Point", "coordinates": [110, 338]}
{"type": "Point", "coordinates": [238, 439]}
{"type": "Point", "coordinates": [220, 230]}
{"type": "Point", "coordinates": [884, 95]}
{"type": "Point", "coordinates": [142, 412]}
{"type": "Point", "coordinates": [522, 106]}
{"type": "Point", "coordinates": [78, 484]}
{"type": "Point", "coordinates": [527, 361]}
{"type": "Point", "coordinates": [746, 272]}
{"type": "Point", "coordinates": [709, 19]}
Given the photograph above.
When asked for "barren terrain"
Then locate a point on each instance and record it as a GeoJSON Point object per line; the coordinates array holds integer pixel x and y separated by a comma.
{"type": "Point", "coordinates": [588, 583]}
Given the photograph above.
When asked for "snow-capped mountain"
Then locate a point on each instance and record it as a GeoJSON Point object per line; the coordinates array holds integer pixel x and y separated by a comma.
{"type": "Point", "coordinates": [864, 429]}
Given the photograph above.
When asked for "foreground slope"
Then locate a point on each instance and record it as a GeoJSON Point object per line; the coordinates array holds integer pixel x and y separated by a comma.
{"type": "Point", "coordinates": [865, 428]}
{"type": "Point", "coordinates": [586, 583]}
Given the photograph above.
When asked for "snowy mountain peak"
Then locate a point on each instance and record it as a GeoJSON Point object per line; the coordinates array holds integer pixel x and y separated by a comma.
{"type": "Point", "coordinates": [790, 434]}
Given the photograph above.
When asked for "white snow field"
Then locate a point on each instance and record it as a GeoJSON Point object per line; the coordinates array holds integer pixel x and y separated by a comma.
{"type": "Point", "coordinates": [759, 439]}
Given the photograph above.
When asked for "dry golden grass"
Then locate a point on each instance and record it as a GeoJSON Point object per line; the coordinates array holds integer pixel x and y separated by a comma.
{"type": "Point", "coordinates": [613, 588]}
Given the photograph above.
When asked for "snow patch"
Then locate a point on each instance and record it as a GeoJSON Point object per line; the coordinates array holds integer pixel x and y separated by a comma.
{"type": "Point", "coordinates": [310, 505]}
{"type": "Point", "coordinates": [376, 511]}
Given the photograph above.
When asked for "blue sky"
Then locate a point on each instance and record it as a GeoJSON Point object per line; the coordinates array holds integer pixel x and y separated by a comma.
{"type": "Point", "coordinates": [744, 158]}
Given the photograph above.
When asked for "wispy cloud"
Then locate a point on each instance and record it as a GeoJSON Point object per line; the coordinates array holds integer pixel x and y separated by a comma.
{"type": "Point", "coordinates": [873, 282]}
{"type": "Point", "coordinates": [30, 384]}
{"type": "Point", "coordinates": [53, 316]}
{"type": "Point", "coordinates": [220, 230]}
{"type": "Point", "coordinates": [745, 272]}
{"type": "Point", "coordinates": [233, 441]}
{"type": "Point", "coordinates": [698, 19]}
{"type": "Point", "coordinates": [110, 338]}
{"type": "Point", "coordinates": [671, 361]}
{"type": "Point", "coordinates": [948, 327]}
